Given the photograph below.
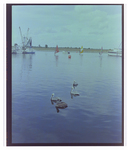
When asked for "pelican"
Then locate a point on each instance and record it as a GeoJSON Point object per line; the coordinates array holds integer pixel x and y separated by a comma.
{"type": "Point", "coordinates": [74, 93]}
{"type": "Point", "coordinates": [60, 105]}
{"type": "Point", "coordinates": [55, 99]}
{"type": "Point", "coordinates": [75, 83]}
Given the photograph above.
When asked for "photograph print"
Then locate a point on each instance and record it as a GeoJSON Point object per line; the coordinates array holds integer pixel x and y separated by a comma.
{"type": "Point", "coordinates": [65, 74]}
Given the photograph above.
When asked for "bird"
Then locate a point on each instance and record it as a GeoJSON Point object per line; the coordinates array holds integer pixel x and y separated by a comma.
{"type": "Point", "coordinates": [75, 84]}
{"type": "Point", "coordinates": [55, 99]}
{"type": "Point", "coordinates": [60, 105]}
{"type": "Point", "coordinates": [74, 93]}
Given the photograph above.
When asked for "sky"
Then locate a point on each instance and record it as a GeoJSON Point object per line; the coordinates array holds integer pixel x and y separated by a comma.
{"type": "Point", "coordinates": [90, 26]}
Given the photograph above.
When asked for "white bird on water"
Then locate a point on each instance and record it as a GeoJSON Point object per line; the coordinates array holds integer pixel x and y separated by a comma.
{"type": "Point", "coordinates": [55, 99]}
{"type": "Point", "coordinates": [75, 93]}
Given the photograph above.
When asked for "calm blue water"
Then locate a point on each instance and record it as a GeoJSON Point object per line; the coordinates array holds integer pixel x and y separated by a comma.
{"type": "Point", "coordinates": [93, 117]}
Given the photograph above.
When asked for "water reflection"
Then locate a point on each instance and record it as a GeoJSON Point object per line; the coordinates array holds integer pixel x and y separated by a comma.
{"type": "Point", "coordinates": [56, 58]}
{"type": "Point", "coordinates": [100, 100]}
{"type": "Point", "coordinates": [100, 61]}
{"type": "Point", "coordinates": [73, 92]}
{"type": "Point", "coordinates": [27, 61]}
{"type": "Point", "coordinates": [72, 95]}
{"type": "Point", "coordinates": [81, 59]}
{"type": "Point", "coordinates": [30, 61]}
{"type": "Point", "coordinates": [26, 65]}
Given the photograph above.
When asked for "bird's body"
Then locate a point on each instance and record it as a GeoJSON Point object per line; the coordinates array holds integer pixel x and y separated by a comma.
{"type": "Point", "coordinates": [61, 105]}
{"type": "Point", "coordinates": [75, 84]}
{"type": "Point", "coordinates": [74, 93]}
{"type": "Point", "coordinates": [55, 99]}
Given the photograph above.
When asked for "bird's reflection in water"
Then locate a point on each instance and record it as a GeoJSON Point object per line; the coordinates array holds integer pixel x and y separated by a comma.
{"type": "Point", "coordinates": [56, 57]}
{"type": "Point", "coordinates": [72, 95]}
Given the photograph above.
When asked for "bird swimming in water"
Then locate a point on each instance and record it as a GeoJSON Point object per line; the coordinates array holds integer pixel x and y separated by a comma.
{"type": "Point", "coordinates": [60, 105]}
{"type": "Point", "coordinates": [75, 84]}
{"type": "Point", "coordinates": [55, 99]}
{"type": "Point", "coordinates": [74, 93]}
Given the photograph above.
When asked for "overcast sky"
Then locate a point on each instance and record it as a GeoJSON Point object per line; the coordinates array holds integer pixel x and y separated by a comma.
{"type": "Point", "coordinates": [92, 26]}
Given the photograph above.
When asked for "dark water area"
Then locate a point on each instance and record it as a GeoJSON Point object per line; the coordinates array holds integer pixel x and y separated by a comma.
{"type": "Point", "coordinates": [95, 116]}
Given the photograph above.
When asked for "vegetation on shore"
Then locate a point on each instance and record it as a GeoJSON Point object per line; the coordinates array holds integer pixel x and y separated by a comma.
{"type": "Point", "coordinates": [71, 49]}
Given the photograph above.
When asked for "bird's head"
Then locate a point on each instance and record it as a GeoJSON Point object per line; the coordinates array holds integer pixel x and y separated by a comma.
{"type": "Point", "coordinates": [52, 94]}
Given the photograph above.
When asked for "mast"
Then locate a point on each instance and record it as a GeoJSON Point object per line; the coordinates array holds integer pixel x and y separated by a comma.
{"type": "Point", "coordinates": [57, 50]}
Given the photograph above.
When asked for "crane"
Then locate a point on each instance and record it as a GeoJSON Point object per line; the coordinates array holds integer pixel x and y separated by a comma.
{"type": "Point", "coordinates": [21, 35]}
{"type": "Point", "coordinates": [24, 39]}
{"type": "Point", "coordinates": [27, 33]}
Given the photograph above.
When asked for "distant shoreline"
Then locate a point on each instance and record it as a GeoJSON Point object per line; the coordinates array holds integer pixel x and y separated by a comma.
{"type": "Point", "coordinates": [71, 49]}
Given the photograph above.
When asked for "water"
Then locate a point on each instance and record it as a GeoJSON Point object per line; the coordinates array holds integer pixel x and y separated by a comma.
{"type": "Point", "coordinates": [93, 117]}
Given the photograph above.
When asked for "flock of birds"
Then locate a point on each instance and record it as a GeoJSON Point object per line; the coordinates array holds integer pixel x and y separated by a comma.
{"type": "Point", "coordinates": [58, 100]}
